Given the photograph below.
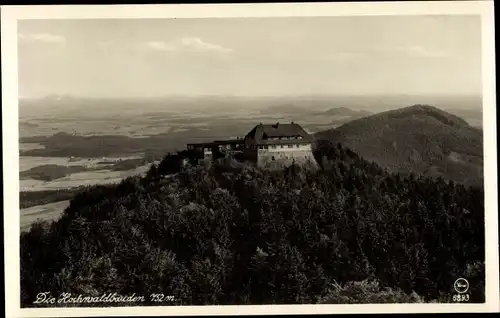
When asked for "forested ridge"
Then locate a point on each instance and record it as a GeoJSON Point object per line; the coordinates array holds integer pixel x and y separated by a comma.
{"type": "Point", "coordinates": [420, 138]}
{"type": "Point", "coordinates": [231, 233]}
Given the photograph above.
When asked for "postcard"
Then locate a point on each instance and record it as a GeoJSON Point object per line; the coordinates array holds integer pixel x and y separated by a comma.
{"type": "Point", "coordinates": [250, 159]}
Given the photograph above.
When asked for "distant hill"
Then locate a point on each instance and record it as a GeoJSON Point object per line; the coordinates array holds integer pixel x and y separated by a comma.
{"type": "Point", "coordinates": [344, 111]}
{"type": "Point", "coordinates": [420, 139]}
{"type": "Point", "coordinates": [314, 109]}
{"type": "Point", "coordinates": [473, 116]}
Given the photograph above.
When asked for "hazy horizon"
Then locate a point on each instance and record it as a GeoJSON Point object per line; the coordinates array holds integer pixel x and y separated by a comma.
{"type": "Point", "coordinates": [291, 96]}
{"type": "Point", "coordinates": [251, 57]}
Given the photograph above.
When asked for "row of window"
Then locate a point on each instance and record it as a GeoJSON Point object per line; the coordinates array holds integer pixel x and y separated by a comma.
{"type": "Point", "coordinates": [267, 147]}
{"type": "Point", "coordinates": [280, 146]}
{"type": "Point", "coordinates": [283, 138]}
{"type": "Point", "coordinates": [274, 158]}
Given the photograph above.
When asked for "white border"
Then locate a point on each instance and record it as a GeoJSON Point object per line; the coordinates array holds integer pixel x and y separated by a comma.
{"type": "Point", "coordinates": [9, 17]}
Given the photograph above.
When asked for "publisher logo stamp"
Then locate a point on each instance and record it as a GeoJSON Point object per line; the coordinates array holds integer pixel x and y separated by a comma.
{"type": "Point", "coordinates": [461, 285]}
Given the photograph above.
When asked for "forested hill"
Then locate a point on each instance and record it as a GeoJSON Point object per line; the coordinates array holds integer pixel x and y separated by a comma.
{"type": "Point", "coordinates": [235, 234]}
{"type": "Point", "coordinates": [420, 139]}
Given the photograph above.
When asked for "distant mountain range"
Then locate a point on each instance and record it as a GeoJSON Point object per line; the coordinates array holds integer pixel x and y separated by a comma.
{"type": "Point", "coordinates": [420, 139]}
{"type": "Point", "coordinates": [372, 103]}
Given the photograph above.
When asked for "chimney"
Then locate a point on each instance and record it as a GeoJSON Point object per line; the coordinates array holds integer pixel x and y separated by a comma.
{"type": "Point", "coordinates": [292, 122]}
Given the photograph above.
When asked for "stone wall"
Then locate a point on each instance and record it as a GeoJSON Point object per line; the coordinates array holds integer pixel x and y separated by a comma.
{"type": "Point", "coordinates": [285, 157]}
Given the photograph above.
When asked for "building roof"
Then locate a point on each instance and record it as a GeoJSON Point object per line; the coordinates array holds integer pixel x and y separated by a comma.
{"type": "Point", "coordinates": [261, 133]}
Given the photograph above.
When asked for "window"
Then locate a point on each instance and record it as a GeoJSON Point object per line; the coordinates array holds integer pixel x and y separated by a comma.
{"type": "Point", "coordinates": [298, 146]}
{"type": "Point", "coordinates": [273, 158]}
{"type": "Point", "coordinates": [266, 147]}
{"type": "Point", "coordinates": [299, 137]}
{"type": "Point", "coordinates": [290, 146]}
{"type": "Point", "coordinates": [282, 146]}
{"type": "Point", "coordinates": [273, 146]}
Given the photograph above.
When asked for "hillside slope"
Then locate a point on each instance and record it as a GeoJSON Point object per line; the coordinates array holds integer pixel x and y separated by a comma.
{"type": "Point", "coordinates": [235, 234]}
{"type": "Point", "coordinates": [419, 139]}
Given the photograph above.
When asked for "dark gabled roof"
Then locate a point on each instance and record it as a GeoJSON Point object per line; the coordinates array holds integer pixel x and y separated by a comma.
{"type": "Point", "coordinates": [261, 133]}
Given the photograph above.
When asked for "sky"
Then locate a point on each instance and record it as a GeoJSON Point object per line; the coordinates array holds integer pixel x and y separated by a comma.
{"type": "Point", "coordinates": [250, 56]}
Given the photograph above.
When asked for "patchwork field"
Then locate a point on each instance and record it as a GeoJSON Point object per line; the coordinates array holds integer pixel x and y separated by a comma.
{"type": "Point", "coordinates": [81, 179]}
{"type": "Point", "coordinates": [48, 212]}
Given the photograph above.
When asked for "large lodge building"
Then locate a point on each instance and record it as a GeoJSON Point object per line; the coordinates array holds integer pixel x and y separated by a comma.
{"type": "Point", "coordinates": [266, 145]}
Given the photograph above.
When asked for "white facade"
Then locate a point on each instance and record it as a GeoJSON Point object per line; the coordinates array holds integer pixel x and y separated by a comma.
{"type": "Point", "coordinates": [287, 154]}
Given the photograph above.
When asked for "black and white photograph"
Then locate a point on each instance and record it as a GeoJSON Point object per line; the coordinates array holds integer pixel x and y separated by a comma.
{"type": "Point", "coordinates": [209, 158]}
